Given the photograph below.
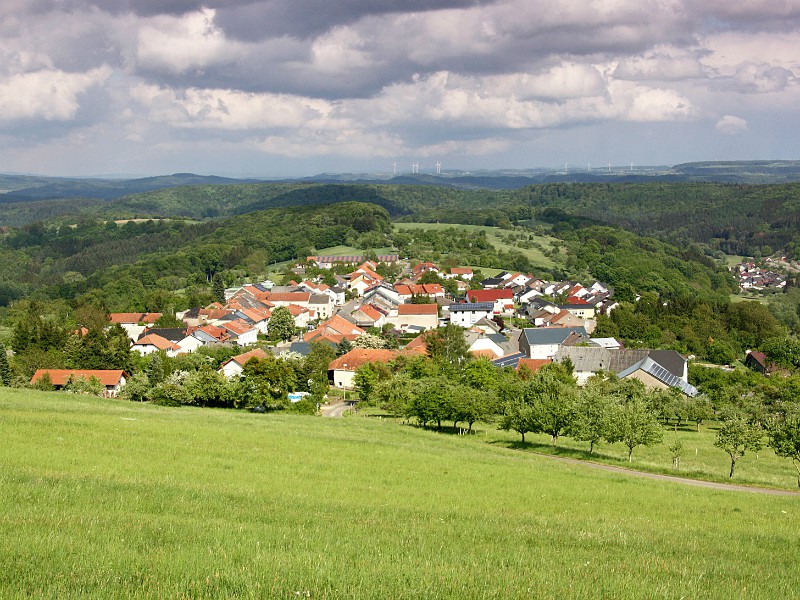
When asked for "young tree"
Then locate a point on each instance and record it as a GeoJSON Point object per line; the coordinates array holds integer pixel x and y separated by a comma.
{"type": "Point", "coordinates": [784, 438]}
{"type": "Point", "coordinates": [634, 424]}
{"type": "Point", "coordinates": [281, 324]}
{"type": "Point", "coordinates": [676, 450]}
{"type": "Point", "coordinates": [736, 436]}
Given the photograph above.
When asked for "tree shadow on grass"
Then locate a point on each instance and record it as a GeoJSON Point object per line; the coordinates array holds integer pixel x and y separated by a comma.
{"type": "Point", "coordinates": [550, 450]}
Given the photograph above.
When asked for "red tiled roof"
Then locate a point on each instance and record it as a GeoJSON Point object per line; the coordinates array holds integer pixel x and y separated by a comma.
{"type": "Point", "coordinates": [292, 297]}
{"type": "Point", "coordinates": [61, 376]}
{"type": "Point", "coordinates": [371, 312]}
{"type": "Point", "coordinates": [489, 295]}
{"type": "Point", "coordinates": [243, 358]}
{"type": "Point", "coordinates": [534, 364]}
{"type": "Point", "coordinates": [153, 339]}
{"type": "Point", "coordinates": [485, 353]}
{"type": "Point", "coordinates": [217, 333]}
{"type": "Point", "coordinates": [460, 271]}
{"type": "Point", "coordinates": [130, 318]}
{"type": "Point", "coordinates": [418, 309]}
{"type": "Point", "coordinates": [361, 356]}
{"type": "Point", "coordinates": [238, 326]}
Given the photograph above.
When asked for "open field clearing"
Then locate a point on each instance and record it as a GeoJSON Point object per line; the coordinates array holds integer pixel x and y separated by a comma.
{"type": "Point", "coordinates": [494, 234]}
{"type": "Point", "coordinates": [332, 251]}
{"type": "Point", "coordinates": [109, 499]}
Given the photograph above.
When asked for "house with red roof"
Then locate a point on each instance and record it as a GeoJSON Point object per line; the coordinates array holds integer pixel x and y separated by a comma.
{"type": "Point", "coordinates": [369, 315]}
{"type": "Point", "coordinates": [464, 273]}
{"type": "Point", "coordinates": [287, 298]}
{"type": "Point", "coordinates": [502, 298]}
{"type": "Point", "coordinates": [334, 330]}
{"type": "Point", "coordinates": [134, 324]}
{"type": "Point", "coordinates": [428, 290]}
{"type": "Point", "coordinates": [241, 332]}
{"type": "Point", "coordinates": [342, 370]}
{"type": "Point", "coordinates": [418, 316]}
{"type": "Point", "coordinates": [233, 367]}
{"type": "Point", "coordinates": [153, 343]}
{"type": "Point", "coordinates": [112, 380]}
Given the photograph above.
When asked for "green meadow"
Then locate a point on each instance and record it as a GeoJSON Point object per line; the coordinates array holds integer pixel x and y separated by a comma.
{"type": "Point", "coordinates": [102, 498]}
{"type": "Point", "coordinates": [494, 234]}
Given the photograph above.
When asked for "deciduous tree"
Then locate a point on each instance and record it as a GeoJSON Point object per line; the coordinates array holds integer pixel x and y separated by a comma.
{"type": "Point", "coordinates": [281, 324]}
{"type": "Point", "coordinates": [784, 438]}
{"type": "Point", "coordinates": [736, 436]}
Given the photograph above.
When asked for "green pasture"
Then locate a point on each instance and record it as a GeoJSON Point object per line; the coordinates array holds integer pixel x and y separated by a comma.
{"type": "Point", "coordinates": [494, 235]}
{"type": "Point", "coordinates": [107, 499]}
{"type": "Point", "coordinates": [700, 459]}
{"type": "Point", "coordinates": [332, 251]}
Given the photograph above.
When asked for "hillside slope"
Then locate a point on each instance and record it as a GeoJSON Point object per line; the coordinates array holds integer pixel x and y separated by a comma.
{"type": "Point", "coordinates": [108, 499]}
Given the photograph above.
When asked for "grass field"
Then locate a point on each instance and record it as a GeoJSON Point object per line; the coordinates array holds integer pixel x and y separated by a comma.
{"type": "Point", "coordinates": [700, 458]}
{"type": "Point", "coordinates": [332, 251]}
{"type": "Point", "coordinates": [493, 234]}
{"type": "Point", "coordinates": [102, 498]}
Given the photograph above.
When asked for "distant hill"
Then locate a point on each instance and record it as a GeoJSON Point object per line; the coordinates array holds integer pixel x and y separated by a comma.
{"type": "Point", "coordinates": [104, 189]}
{"type": "Point", "coordinates": [755, 171]}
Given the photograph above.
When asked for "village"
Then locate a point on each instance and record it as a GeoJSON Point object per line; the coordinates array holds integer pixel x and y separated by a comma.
{"type": "Point", "coordinates": [511, 319]}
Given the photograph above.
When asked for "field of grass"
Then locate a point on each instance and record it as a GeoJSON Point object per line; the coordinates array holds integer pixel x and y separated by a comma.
{"type": "Point", "coordinates": [700, 458]}
{"type": "Point", "coordinates": [494, 235]}
{"type": "Point", "coordinates": [332, 251]}
{"type": "Point", "coordinates": [102, 498]}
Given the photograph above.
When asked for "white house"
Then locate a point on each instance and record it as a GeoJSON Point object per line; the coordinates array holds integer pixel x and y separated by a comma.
{"type": "Point", "coordinates": [470, 313]}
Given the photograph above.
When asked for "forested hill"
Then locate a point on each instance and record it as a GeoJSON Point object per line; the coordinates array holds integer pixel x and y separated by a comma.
{"type": "Point", "coordinates": [66, 262]}
{"type": "Point", "coordinates": [26, 188]}
{"type": "Point", "coordinates": [736, 219]}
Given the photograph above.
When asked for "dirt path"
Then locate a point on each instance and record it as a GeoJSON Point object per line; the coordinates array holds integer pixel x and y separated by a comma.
{"type": "Point", "coordinates": [730, 487]}
{"type": "Point", "coordinates": [335, 410]}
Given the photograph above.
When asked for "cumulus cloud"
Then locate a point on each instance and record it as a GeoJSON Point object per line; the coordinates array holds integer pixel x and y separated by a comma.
{"type": "Point", "coordinates": [758, 79]}
{"type": "Point", "coordinates": [47, 94]}
{"type": "Point", "coordinates": [731, 125]}
{"type": "Point", "coordinates": [360, 78]}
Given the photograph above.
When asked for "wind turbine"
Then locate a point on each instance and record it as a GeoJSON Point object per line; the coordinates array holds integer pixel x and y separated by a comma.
{"type": "Point", "coordinates": [394, 167]}
{"type": "Point", "coordinates": [438, 168]}
{"type": "Point", "coordinates": [566, 168]}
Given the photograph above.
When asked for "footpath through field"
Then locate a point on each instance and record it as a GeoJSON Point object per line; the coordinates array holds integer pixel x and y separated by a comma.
{"type": "Point", "coordinates": [731, 487]}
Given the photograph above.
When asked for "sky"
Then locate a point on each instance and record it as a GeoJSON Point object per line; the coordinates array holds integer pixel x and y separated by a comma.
{"type": "Point", "coordinates": [274, 88]}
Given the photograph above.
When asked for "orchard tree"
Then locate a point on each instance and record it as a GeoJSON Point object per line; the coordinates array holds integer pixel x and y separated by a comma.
{"type": "Point", "coordinates": [470, 405]}
{"type": "Point", "coordinates": [281, 324]}
{"type": "Point", "coordinates": [520, 416]}
{"type": "Point", "coordinates": [593, 409]}
{"type": "Point", "coordinates": [736, 436]}
{"type": "Point", "coordinates": [634, 424]}
{"type": "Point", "coordinates": [784, 438]}
{"type": "Point", "coordinates": [552, 393]}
